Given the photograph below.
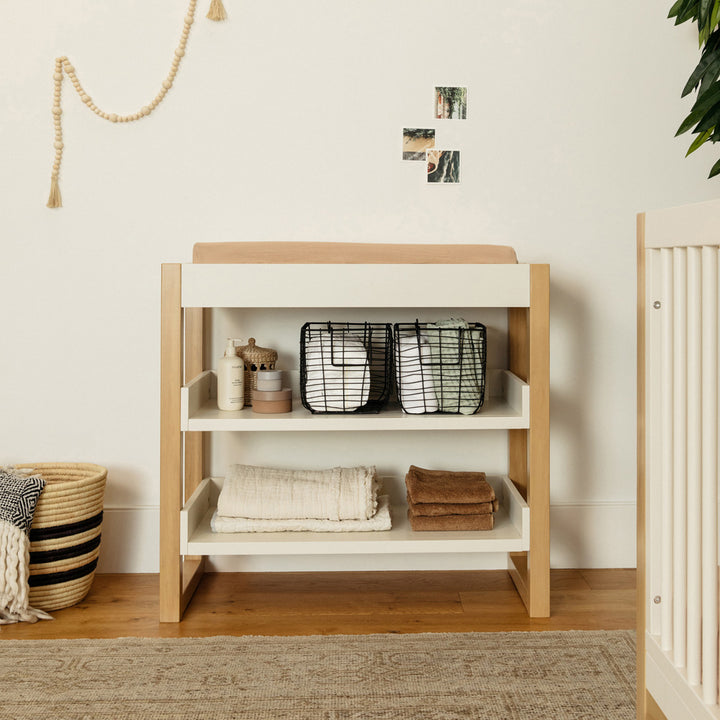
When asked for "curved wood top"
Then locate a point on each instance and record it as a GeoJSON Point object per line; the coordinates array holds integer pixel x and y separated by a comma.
{"type": "Point", "coordinates": [304, 253]}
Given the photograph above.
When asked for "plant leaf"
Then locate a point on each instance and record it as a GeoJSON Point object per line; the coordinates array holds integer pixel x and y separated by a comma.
{"type": "Point", "coordinates": [699, 140]}
{"type": "Point", "coordinates": [678, 8]}
{"type": "Point", "coordinates": [709, 120]}
{"type": "Point", "coordinates": [704, 18]}
{"type": "Point", "coordinates": [715, 170]}
{"type": "Point", "coordinates": [708, 98]}
{"type": "Point", "coordinates": [715, 15]}
{"type": "Point", "coordinates": [685, 11]}
{"type": "Point", "coordinates": [689, 12]}
{"type": "Point", "coordinates": [709, 64]}
{"type": "Point", "coordinates": [700, 108]}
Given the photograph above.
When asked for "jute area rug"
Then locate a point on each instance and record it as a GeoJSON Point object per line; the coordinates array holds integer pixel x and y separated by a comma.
{"type": "Point", "coordinates": [503, 676]}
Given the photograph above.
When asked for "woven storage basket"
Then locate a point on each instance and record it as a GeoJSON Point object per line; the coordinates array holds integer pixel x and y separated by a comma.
{"type": "Point", "coordinates": [65, 533]}
{"type": "Point", "coordinates": [255, 358]}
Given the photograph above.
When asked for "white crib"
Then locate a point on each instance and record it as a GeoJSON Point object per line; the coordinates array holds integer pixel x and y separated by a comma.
{"type": "Point", "coordinates": [678, 462]}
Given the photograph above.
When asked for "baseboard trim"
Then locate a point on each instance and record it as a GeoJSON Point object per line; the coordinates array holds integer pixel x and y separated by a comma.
{"type": "Point", "coordinates": [586, 535]}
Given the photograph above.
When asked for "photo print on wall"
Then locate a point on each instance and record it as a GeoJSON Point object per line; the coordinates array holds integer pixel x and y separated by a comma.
{"type": "Point", "coordinates": [443, 166]}
{"type": "Point", "coordinates": [451, 103]}
{"type": "Point", "coordinates": [416, 141]}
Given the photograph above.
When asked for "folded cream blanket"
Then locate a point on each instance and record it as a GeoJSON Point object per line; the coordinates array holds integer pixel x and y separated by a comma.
{"type": "Point", "coordinates": [273, 493]}
{"type": "Point", "coordinates": [380, 521]}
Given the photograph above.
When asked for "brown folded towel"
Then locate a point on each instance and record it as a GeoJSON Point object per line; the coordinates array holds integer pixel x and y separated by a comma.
{"type": "Point", "coordinates": [452, 522]}
{"type": "Point", "coordinates": [436, 509]}
{"type": "Point", "coordinates": [445, 486]}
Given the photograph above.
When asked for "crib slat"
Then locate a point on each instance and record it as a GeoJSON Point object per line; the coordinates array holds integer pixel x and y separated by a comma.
{"type": "Point", "coordinates": [693, 592]}
{"type": "Point", "coordinates": [657, 303]}
{"type": "Point", "coordinates": [666, 462]}
{"type": "Point", "coordinates": [679, 473]}
{"type": "Point", "coordinates": [708, 514]}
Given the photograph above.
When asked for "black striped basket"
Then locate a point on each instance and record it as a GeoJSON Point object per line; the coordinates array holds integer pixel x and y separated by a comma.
{"type": "Point", "coordinates": [65, 533]}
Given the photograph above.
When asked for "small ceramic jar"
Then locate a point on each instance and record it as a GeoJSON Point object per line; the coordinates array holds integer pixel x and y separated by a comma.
{"type": "Point", "coordinates": [269, 380]}
{"type": "Point", "coordinates": [272, 401]}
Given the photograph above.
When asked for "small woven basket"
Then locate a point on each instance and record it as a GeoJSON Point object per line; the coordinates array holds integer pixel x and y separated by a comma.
{"type": "Point", "coordinates": [65, 533]}
{"type": "Point", "coordinates": [255, 358]}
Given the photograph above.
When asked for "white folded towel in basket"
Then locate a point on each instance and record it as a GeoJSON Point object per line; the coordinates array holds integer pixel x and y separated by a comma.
{"type": "Point", "coordinates": [381, 520]}
{"type": "Point", "coordinates": [337, 374]}
{"type": "Point", "coordinates": [416, 387]}
{"type": "Point", "coordinates": [273, 493]}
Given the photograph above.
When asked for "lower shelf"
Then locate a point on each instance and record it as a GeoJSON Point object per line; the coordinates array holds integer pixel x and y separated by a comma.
{"type": "Point", "coordinates": [510, 534]}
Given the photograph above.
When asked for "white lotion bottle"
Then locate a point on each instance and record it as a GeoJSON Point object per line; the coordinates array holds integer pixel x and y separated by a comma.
{"type": "Point", "coordinates": [231, 380]}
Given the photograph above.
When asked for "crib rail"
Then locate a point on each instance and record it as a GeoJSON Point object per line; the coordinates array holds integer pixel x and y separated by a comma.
{"type": "Point", "coordinates": [680, 391]}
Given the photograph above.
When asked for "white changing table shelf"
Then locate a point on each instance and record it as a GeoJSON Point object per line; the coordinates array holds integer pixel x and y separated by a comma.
{"type": "Point", "coordinates": [507, 406]}
{"type": "Point", "coordinates": [510, 534]}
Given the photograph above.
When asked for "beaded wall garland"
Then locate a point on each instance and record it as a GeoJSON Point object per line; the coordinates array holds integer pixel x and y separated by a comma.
{"type": "Point", "coordinates": [63, 66]}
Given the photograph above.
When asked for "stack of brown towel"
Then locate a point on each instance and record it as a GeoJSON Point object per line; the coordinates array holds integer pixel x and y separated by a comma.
{"type": "Point", "coordinates": [446, 500]}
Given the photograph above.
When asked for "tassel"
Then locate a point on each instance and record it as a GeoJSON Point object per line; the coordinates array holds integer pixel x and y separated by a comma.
{"type": "Point", "coordinates": [217, 11]}
{"type": "Point", "coordinates": [14, 580]}
{"type": "Point", "coordinates": [55, 199]}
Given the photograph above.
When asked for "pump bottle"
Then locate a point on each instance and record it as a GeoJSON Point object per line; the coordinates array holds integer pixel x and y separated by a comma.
{"type": "Point", "coordinates": [231, 380]}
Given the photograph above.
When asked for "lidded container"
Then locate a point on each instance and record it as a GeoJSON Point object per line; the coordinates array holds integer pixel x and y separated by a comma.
{"type": "Point", "coordinates": [255, 358]}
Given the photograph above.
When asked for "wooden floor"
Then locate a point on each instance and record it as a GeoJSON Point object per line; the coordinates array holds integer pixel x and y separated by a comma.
{"type": "Point", "coordinates": [337, 603]}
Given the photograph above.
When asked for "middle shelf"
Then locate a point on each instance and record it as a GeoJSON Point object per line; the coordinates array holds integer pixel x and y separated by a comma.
{"type": "Point", "coordinates": [506, 407]}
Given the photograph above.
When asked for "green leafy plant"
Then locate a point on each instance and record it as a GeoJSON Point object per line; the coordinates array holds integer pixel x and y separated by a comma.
{"type": "Point", "coordinates": [704, 117]}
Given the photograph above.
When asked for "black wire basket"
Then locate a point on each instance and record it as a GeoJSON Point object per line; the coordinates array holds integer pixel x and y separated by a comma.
{"type": "Point", "coordinates": [440, 369]}
{"type": "Point", "coordinates": [345, 367]}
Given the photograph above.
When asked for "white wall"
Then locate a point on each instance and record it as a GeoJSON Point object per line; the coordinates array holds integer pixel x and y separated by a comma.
{"type": "Point", "coordinates": [284, 124]}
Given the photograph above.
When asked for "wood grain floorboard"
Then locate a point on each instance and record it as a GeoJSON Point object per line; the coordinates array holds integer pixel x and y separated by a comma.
{"type": "Point", "coordinates": [342, 603]}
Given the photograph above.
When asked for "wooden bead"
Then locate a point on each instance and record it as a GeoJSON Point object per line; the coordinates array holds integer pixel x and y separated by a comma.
{"type": "Point", "coordinates": [69, 69]}
{"type": "Point", "coordinates": [57, 110]}
{"type": "Point", "coordinates": [167, 84]}
{"type": "Point", "coordinates": [58, 145]}
{"type": "Point", "coordinates": [145, 110]}
{"type": "Point", "coordinates": [189, 19]}
{"type": "Point", "coordinates": [113, 117]}
{"type": "Point", "coordinates": [57, 75]}
{"type": "Point", "coordinates": [179, 52]}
